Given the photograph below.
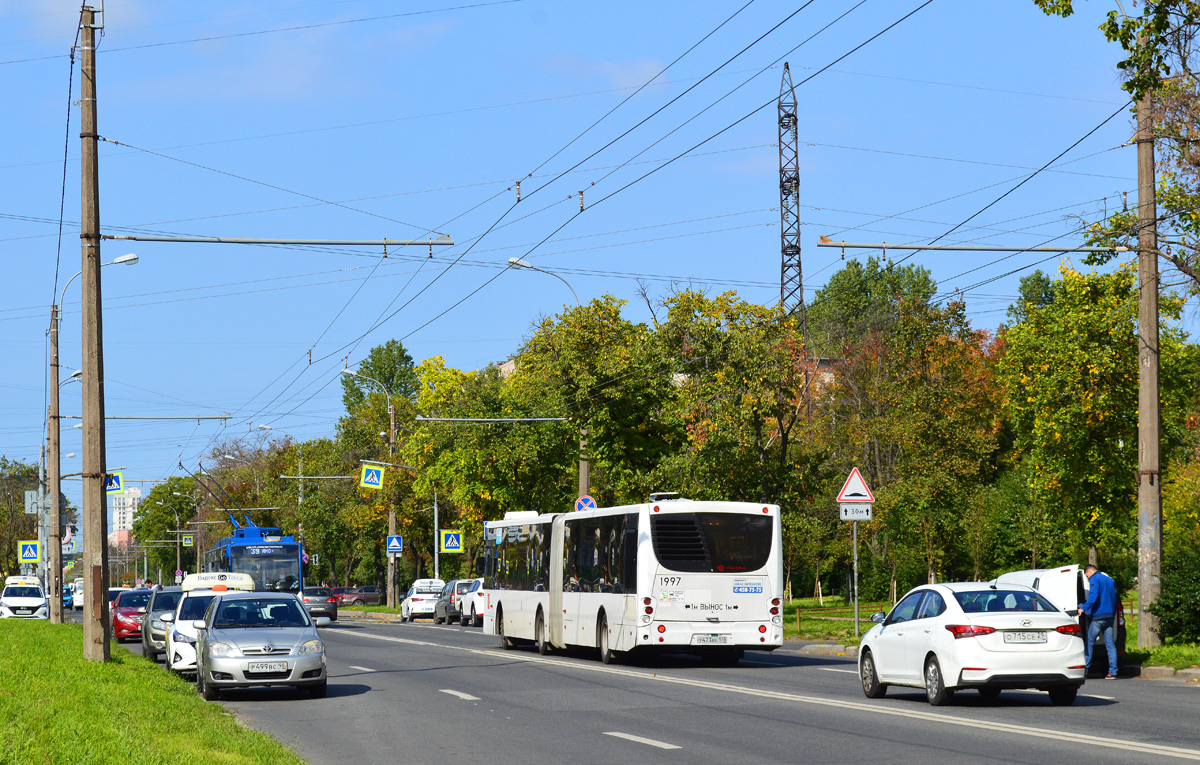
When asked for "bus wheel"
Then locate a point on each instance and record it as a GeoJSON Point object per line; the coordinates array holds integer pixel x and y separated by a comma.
{"type": "Point", "coordinates": [543, 645]}
{"type": "Point", "coordinates": [606, 654]}
{"type": "Point", "coordinates": [505, 642]}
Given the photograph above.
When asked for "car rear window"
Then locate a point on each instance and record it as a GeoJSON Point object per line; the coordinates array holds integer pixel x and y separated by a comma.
{"type": "Point", "coordinates": [1001, 601]}
{"type": "Point", "coordinates": [462, 587]}
{"type": "Point", "coordinates": [320, 592]}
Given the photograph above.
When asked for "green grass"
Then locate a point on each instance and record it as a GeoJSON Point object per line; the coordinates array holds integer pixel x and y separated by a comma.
{"type": "Point", "coordinates": [1177, 656]}
{"type": "Point", "coordinates": [813, 627]}
{"type": "Point", "coordinates": [372, 609]}
{"type": "Point", "coordinates": [56, 707]}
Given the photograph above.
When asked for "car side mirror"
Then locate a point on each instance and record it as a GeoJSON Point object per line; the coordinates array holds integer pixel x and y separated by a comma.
{"type": "Point", "coordinates": [323, 621]}
{"type": "Point", "coordinates": [200, 624]}
{"type": "Point", "coordinates": [167, 618]}
{"type": "Point", "coordinates": [878, 617]}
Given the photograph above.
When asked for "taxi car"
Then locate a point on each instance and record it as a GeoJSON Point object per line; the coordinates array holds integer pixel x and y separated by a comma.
{"type": "Point", "coordinates": [258, 638]}
{"type": "Point", "coordinates": [198, 591]}
{"type": "Point", "coordinates": [23, 598]}
{"type": "Point", "coordinates": [421, 599]}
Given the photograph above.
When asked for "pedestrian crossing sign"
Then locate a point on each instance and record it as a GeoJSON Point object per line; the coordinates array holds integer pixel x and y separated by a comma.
{"type": "Point", "coordinates": [114, 483]}
{"type": "Point", "coordinates": [30, 551]}
{"type": "Point", "coordinates": [188, 540]}
{"type": "Point", "coordinates": [451, 541]}
{"type": "Point", "coordinates": [371, 477]}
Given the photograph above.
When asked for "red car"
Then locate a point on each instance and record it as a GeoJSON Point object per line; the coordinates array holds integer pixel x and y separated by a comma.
{"type": "Point", "coordinates": [358, 596]}
{"type": "Point", "coordinates": [129, 609]}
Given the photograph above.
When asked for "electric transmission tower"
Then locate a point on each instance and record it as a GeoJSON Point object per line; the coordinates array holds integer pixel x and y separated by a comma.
{"type": "Point", "coordinates": [791, 280]}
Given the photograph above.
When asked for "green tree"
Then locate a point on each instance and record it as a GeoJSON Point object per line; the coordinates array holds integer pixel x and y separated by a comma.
{"type": "Point", "coordinates": [15, 479]}
{"type": "Point", "coordinates": [168, 506]}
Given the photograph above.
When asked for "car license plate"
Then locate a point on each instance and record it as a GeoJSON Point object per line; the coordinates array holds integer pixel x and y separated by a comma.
{"type": "Point", "coordinates": [267, 666]}
{"type": "Point", "coordinates": [1025, 637]}
{"type": "Point", "coordinates": [710, 639]}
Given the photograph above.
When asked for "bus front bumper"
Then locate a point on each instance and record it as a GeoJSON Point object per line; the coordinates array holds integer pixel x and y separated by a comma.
{"type": "Point", "coordinates": [701, 636]}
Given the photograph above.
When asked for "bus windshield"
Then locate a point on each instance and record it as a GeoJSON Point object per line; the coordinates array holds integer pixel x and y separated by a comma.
{"type": "Point", "coordinates": [711, 542]}
{"type": "Point", "coordinates": [274, 567]}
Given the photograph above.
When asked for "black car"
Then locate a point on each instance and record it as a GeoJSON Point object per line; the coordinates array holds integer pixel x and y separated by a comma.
{"type": "Point", "coordinates": [163, 600]}
{"type": "Point", "coordinates": [320, 601]}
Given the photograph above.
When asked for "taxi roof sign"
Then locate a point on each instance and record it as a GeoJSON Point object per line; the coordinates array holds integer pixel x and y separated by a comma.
{"type": "Point", "coordinates": [18, 580]}
{"type": "Point", "coordinates": [209, 579]}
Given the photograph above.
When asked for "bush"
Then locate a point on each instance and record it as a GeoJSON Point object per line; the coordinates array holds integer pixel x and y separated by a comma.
{"type": "Point", "coordinates": [1178, 607]}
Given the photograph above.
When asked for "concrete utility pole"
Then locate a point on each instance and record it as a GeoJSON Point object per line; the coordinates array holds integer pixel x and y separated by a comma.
{"type": "Point", "coordinates": [585, 467]}
{"type": "Point", "coordinates": [1149, 420]}
{"type": "Point", "coordinates": [95, 521]}
{"type": "Point", "coordinates": [54, 480]}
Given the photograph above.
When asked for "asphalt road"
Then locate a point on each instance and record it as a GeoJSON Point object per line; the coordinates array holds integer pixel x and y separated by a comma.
{"type": "Point", "coordinates": [419, 693]}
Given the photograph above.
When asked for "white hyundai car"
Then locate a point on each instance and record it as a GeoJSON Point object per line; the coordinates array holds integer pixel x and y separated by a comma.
{"type": "Point", "coordinates": [948, 637]}
{"type": "Point", "coordinates": [420, 599]}
{"type": "Point", "coordinates": [23, 598]}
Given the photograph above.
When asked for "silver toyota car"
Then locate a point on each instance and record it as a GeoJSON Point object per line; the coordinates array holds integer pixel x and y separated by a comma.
{"type": "Point", "coordinates": [258, 638]}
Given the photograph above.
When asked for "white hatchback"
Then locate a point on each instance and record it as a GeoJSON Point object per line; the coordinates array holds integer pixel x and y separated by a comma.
{"type": "Point", "coordinates": [947, 637]}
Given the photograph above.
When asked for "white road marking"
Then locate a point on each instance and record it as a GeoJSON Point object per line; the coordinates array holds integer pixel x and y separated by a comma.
{"type": "Point", "coordinates": [461, 695]}
{"type": "Point", "coordinates": [1095, 696]}
{"type": "Point", "coordinates": [831, 669]}
{"type": "Point", "coordinates": [362, 669]}
{"type": "Point", "coordinates": [891, 710]}
{"type": "Point", "coordinates": [640, 740]}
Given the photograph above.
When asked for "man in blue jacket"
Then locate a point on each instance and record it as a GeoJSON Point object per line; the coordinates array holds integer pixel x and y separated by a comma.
{"type": "Point", "coordinates": [1101, 610]}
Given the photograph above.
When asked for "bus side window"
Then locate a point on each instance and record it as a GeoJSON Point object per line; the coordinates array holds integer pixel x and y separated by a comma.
{"type": "Point", "coordinates": [570, 556]}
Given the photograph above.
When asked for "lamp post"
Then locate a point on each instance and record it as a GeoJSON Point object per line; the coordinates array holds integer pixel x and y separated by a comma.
{"type": "Point", "coordinates": [54, 462]}
{"type": "Point", "coordinates": [584, 464]}
{"type": "Point", "coordinates": [391, 569]}
{"type": "Point", "coordinates": [178, 547]}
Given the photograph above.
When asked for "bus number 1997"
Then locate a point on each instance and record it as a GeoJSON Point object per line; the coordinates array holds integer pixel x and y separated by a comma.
{"type": "Point", "coordinates": [670, 581]}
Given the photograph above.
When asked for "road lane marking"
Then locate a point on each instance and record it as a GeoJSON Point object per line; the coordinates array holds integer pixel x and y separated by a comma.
{"type": "Point", "coordinates": [640, 740]}
{"type": "Point", "coordinates": [362, 669]}
{"type": "Point", "coordinates": [991, 726]}
{"type": "Point", "coordinates": [831, 669]}
{"type": "Point", "coordinates": [461, 695]}
{"type": "Point", "coordinates": [1094, 696]}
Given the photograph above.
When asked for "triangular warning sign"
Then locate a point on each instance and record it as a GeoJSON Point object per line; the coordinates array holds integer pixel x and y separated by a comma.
{"type": "Point", "coordinates": [393, 544]}
{"type": "Point", "coordinates": [855, 489]}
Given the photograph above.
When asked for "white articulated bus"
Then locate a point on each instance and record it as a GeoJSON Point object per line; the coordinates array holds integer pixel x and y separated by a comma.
{"type": "Point", "coordinates": [669, 575]}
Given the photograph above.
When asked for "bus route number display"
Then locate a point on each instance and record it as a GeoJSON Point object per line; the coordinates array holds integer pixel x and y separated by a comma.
{"type": "Point", "coordinates": [263, 550]}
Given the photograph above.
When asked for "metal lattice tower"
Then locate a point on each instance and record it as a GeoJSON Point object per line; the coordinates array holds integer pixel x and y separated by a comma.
{"type": "Point", "coordinates": [791, 280]}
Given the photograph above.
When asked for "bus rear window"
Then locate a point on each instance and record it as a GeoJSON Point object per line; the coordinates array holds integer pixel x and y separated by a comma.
{"type": "Point", "coordinates": [711, 542]}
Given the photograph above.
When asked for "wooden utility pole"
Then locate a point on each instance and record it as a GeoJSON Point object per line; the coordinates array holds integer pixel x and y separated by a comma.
{"type": "Point", "coordinates": [1149, 421]}
{"type": "Point", "coordinates": [54, 482]}
{"type": "Point", "coordinates": [95, 504]}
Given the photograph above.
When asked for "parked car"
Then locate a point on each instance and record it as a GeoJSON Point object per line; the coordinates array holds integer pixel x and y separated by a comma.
{"type": "Point", "coordinates": [367, 595]}
{"type": "Point", "coordinates": [128, 611]}
{"type": "Point", "coordinates": [113, 592]}
{"type": "Point", "coordinates": [472, 603]}
{"type": "Point", "coordinates": [947, 637]}
{"type": "Point", "coordinates": [163, 601]}
{"type": "Point", "coordinates": [1067, 587]}
{"type": "Point", "coordinates": [258, 638]}
{"type": "Point", "coordinates": [444, 606]}
{"type": "Point", "coordinates": [198, 591]}
{"type": "Point", "coordinates": [77, 598]}
{"type": "Point", "coordinates": [320, 601]}
{"type": "Point", "coordinates": [420, 599]}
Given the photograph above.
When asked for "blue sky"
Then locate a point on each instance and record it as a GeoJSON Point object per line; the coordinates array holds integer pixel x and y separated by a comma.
{"type": "Point", "coordinates": [351, 119]}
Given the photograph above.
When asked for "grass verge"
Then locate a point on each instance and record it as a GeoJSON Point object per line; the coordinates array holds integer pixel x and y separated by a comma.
{"type": "Point", "coordinates": [57, 707]}
{"type": "Point", "coordinates": [373, 609]}
{"type": "Point", "coordinates": [1177, 656]}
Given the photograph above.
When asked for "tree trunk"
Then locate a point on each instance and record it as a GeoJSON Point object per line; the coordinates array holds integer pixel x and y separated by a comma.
{"type": "Point", "coordinates": [1093, 556]}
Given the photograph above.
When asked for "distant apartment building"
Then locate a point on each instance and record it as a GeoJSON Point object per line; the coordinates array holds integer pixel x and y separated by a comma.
{"type": "Point", "coordinates": [124, 507]}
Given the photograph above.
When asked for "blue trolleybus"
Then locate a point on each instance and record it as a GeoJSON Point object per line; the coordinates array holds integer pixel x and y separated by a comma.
{"type": "Point", "coordinates": [276, 562]}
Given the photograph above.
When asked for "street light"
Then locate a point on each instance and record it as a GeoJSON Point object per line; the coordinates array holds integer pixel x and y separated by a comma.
{"type": "Point", "coordinates": [584, 464]}
{"type": "Point", "coordinates": [257, 487]}
{"type": "Point", "coordinates": [300, 449]}
{"type": "Point", "coordinates": [519, 264]}
{"type": "Point", "coordinates": [98, 515]}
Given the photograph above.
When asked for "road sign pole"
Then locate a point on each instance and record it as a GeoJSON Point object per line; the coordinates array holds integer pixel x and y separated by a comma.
{"type": "Point", "coordinates": [855, 527]}
{"type": "Point", "coordinates": [437, 540]}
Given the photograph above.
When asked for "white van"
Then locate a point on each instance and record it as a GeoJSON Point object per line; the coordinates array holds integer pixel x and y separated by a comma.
{"type": "Point", "coordinates": [198, 592]}
{"type": "Point", "coordinates": [1067, 587]}
{"type": "Point", "coordinates": [77, 595]}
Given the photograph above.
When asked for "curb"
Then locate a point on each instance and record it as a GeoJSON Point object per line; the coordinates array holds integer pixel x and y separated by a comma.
{"type": "Point", "coordinates": [1190, 675]}
{"type": "Point", "coordinates": [383, 617]}
{"type": "Point", "coordinates": [829, 649]}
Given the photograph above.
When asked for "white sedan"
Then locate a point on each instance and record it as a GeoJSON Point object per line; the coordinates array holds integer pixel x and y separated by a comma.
{"type": "Point", "coordinates": [947, 637]}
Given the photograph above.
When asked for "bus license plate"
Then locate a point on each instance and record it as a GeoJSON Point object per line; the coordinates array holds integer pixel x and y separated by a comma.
{"type": "Point", "coordinates": [1025, 637]}
{"type": "Point", "coordinates": [710, 640]}
{"type": "Point", "coordinates": [267, 666]}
